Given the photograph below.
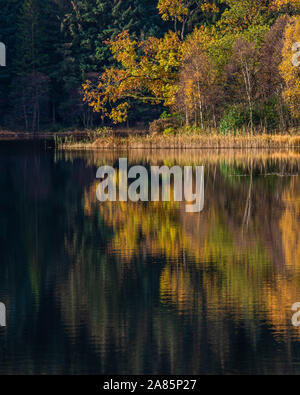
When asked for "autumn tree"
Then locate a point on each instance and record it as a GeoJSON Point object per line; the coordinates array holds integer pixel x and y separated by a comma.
{"type": "Point", "coordinates": [86, 27]}
{"type": "Point", "coordinates": [199, 93]}
{"type": "Point", "coordinates": [286, 6]}
{"type": "Point", "coordinates": [182, 11]}
{"type": "Point", "coordinates": [148, 72]}
{"type": "Point", "coordinates": [240, 15]}
{"type": "Point", "coordinates": [289, 71]}
{"type": "Point", "coordinates": [242, 73]}
{"type": "Point", "coordinates": [270, 83]}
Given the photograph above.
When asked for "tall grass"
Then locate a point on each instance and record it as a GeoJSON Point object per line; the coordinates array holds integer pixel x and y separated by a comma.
{"type": "Point", "coordinates": [206, 140]}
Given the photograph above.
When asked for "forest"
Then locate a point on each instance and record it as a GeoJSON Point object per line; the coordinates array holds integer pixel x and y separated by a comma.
{"type": "Point", "coordinates": [205, 64]}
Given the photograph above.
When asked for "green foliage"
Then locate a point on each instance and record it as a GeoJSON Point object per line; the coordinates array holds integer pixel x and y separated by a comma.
{"type": "Point", "coordinates": [90, 23]}
{"type": "Point", "coordinates": [165, 123]}
{"type": "Point", "coordinates": [165, 115]}
{"type": "Point", "coordinates": [233, 119]}
{"type": "Point", "coordinates": [176, 116]}
{"type": "Point", "coordinates": [191, 130]}
{"type": "Point", "coordinates": [267, 114]}
{"type": "Point", "coordinates": [32, 52]}
{"type": "Point", "coordinates": [65, 42]}
{"type": "Point", "coordinates": [169, 132]}
{"type": "Point", "coordinates": [8, 27]}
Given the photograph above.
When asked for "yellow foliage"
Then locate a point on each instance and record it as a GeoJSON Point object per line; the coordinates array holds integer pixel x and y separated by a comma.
{"type": "Point", "coordinates": [178, 9]}
{"type": "Point", "coordinates": [289, 72]}
{"type": "Point", "coordinates": [163, 70]}
{"type": "Point", "coordinates": [172, 9]}
{"type": "Point", "coordinates": [286, 4]}
{"type": "Point", "coordinates": [198, 77]}
{"type": "Point", "coordinates": [149, 77]}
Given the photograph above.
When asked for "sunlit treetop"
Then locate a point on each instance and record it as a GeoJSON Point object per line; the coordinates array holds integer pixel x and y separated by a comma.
{"type": "Point", "coordinates": [148, 72]}
{"type": "Point", "coordinates": [180, 11]}
{"type": "Point", "coordinates": [286, 5]}
{"type": "Point", "coordinates": [242, 14]}
{"type": "Point", "coordinates": [289, 72]}
{"type": "Point", "coordinates": [173, 9]}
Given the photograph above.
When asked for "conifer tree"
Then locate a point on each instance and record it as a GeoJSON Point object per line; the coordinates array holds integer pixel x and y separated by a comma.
{"type": "Point", "coordinates": [31, 54]}
{"type": "Point", "coordinates": [8, 28]}
{"type": "Point", "coordinates": [29, 90]}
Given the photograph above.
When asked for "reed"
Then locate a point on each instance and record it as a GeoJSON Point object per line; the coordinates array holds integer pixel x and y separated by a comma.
{"type": "Point", "coordinates": [189, 141]}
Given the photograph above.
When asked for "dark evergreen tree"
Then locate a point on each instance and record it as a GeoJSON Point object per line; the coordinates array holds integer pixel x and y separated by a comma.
{"type": "Point", "coordinates": [8, 27]}
{"type": "Point", "coordinates": [150, 22]}
{"type": "Point", "coordinates": [86, 27]}
{"type": "Point", "coordinates": [32, 61]}
{"type": "Point", "coordinates": [31, 49]}
{"type": "Point", "coordinates": [60, 43]}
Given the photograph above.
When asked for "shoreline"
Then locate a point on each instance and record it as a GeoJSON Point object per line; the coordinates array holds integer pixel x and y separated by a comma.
{"type": "Point", "coordinates": [21, 136]}
{"type": "Point", "coordinates": [132, 139]}
{"type": "Point", "coordinates": [7, 135]}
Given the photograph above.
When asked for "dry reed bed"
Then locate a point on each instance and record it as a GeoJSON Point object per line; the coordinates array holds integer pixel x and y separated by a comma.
{"type": "Point", "coordinates": [190, 141]}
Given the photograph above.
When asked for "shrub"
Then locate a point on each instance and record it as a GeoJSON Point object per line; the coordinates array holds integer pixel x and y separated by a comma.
{"type": "Point", "coordinates": [234, 118]}
{"type": "Point", "coordinates": [169, 132]}
{"type": "Point", "coordinates": [160, 125]}
{"type": "Point", "coordinates": [267, 114]}
{"type": "Point", "coordinates": [165, 115]}
{"type": "Point", "coordinates": [99, 133]}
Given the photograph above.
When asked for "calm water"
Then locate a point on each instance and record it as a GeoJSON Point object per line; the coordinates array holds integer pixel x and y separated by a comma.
{"type": "Point", "coordinates": [147, 288]}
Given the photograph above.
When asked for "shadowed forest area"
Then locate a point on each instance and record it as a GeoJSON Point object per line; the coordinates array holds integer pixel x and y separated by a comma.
{"type": "Point", "coordinates": [176, 65]}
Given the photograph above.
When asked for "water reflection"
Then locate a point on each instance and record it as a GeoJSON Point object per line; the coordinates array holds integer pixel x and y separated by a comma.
{"type": "Point", "coordinates": [148, 288]}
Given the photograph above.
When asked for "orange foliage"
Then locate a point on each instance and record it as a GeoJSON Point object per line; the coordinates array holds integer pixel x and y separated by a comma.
{"type": "Point", "coordinates": [153, 72]}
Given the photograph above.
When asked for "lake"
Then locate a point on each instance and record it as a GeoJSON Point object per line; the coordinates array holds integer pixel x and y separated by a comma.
{"type": "Point", "coordinates": [147, 288]}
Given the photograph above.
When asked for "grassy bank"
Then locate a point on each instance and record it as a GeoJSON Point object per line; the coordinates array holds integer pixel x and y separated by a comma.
{"type": "Point", "coordinates": [186, 141]}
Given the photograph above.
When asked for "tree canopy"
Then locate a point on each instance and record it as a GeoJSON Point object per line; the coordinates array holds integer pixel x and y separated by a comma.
{"type": "Point", "coordinates": [207, 61]}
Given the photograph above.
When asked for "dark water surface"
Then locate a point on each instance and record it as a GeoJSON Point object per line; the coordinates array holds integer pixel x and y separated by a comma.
{"type": "Point", "coordinates": [148, 288]}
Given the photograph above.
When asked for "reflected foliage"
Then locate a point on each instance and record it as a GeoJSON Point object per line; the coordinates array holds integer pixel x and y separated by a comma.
{"type": "Point", "coordinates": [148, 288]}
